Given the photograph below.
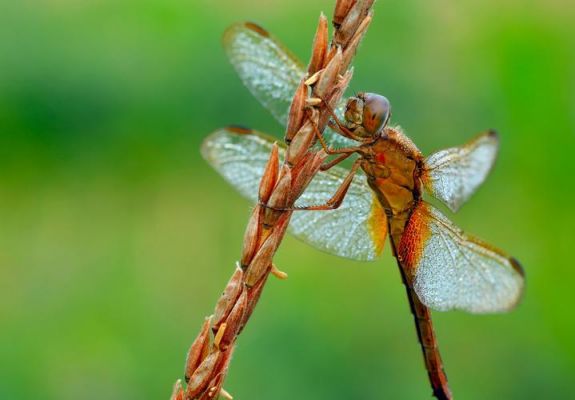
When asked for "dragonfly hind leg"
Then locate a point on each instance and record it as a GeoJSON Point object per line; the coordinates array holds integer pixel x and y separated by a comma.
{"type": "Point", "coordinates": [334, 201]}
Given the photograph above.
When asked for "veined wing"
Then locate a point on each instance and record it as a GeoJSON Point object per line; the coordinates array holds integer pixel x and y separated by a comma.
{"type": "Point", "coordinates": [454, 271]}
{"type": "Point", "coordinates": [356, 230]}
{"type": "Point", "coordinates": [453, 175]}
{"type": "Point", "coordinates": [270, 71]}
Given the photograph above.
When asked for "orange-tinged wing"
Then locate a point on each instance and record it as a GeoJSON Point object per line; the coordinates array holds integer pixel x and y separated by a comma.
{"type": "Point", "coordinates": [356, 230]}
{"type": "Point", "coordinates": [453, 175]}
{"type": "Point", "coordinates": [451, 270]}
{"type": "Point", "coordinates": [270, 71]}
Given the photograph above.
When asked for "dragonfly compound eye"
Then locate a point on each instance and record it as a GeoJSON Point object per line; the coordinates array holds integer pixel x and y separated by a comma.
{"type": "Point", "coordinates": [376, 112]}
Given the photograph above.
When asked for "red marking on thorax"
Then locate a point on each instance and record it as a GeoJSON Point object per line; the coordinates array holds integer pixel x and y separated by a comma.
{"type": "Point", "coordinates": [380, 158]}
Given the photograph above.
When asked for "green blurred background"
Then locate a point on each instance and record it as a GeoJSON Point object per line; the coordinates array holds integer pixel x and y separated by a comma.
{"type": "Point", "coordinates": [116, 238]}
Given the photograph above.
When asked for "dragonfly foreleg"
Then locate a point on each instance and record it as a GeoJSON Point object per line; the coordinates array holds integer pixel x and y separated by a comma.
{"type": "Point", "coordinates": [335, 201]}
{"type": "Point", "coordinates": [329, 150]}
{"type": "Point", "coordinates": [335, 161]}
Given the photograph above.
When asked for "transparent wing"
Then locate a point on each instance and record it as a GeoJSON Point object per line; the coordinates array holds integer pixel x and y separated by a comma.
{"type": "Point", "coordinates": [270, 72]}
{"type": "Point", "coordinates": [265, 66]}
{"type": "Point", "coordinates": [453, 175]}
{"type": "Point", "coordinates": [454, 271]}
{"type": "Point", "coordinates": [355, 230]}
{"type": "Point", "coordinates": [239, 155]}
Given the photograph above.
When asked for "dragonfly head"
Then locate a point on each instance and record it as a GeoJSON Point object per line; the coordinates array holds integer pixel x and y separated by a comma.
{"type": "Point", "coordinates": [367, 114]}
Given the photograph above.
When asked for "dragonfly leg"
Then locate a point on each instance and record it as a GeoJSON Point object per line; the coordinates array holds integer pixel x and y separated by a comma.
{"type": "Point", "coordinates": [335, 161]}
{"type": "Point", "coordinates": [329, 150]}
{"type": "Point", "coordinates": [335, 201]}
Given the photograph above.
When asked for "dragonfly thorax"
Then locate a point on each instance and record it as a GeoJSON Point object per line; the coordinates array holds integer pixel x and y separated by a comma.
{"type": "Point", "coordinates": [392, 169]}
{"type": "Point", "coordinates": [367, 114]}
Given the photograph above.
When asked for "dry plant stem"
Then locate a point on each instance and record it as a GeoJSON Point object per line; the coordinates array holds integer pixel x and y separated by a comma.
{"type": "Point", "coordinates": [208, 358]}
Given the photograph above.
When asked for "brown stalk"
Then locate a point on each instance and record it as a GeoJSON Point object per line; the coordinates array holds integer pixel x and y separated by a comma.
{"type": "Point", "coordinates": [210, 354]}
{"type": "Point", "coordinates": [270, 176]}
{"type": "Point", "coordinates": [319, 48]}
{"type": "Point", "coordinates": [251, 237]}
{"type": "Point", "coordinates": [296, 112]}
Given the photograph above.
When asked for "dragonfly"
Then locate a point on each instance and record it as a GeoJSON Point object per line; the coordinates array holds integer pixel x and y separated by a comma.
{"type": "Point", "coordinates": [442, 267]}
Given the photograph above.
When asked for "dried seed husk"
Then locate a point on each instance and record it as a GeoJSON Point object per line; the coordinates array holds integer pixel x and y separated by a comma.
{"type": "Point", "coordinates": [334, 97]}
{"type": "Point", "coordinates": [319, 48]}
{"type": "Point", "coordinates": [254, 294]}
{"type": "Point", "coordinates": [332, 52]}
{"type": "Point", "coordinates": [215, 386]}
{"type": "Point", "coordinates": [297, 170]}
{"type": "Point", "coordinates": [211, 391]}
{"type": "Point", "coordinates": [198, 350]}
{"type": "Point", "coordinates": [352, 20]}
{"type": "Point", "coordinates": [281, 194]}
{"type": "Point", "coordinates": [349, 25]}
{"type": "Point", "coordinates": [296, 111]}
{"type": "Point", "coordinates": [354, 43]}
{"type": "Point", "coordinates": [251, 236]}
{"type": "Point", "coordinates": [270, 217]}
{"type": "Point", "coordinates": [270, 176]}
{"type": "Point", "coordinates": [234, 321]}
{"type": "Point", "coordinates": [177, 392]}
{"type": "Point", "coordinates": [341, 86]}
{"type": "Point", "coordinates": [339, 89]}
{"type": "Point", "coordinates": [367, 4]}
{"type": "Point", "coordinates": [279, 199]}
{"type": "Point", "coordinates": [341, 9]}
{"type": "Point", "coordinates": [329, 76]}
{"type": "Point", "coordinates": [263, 259]}
{"type": "Point", "coordinates": [301, 143]}
{"type": "Point", "coordinates": [228, 298]}
{"type": "Point", "coordinates": [203, 374]}
{"type": "Point", "coordinates": [308, 171]}
{"type": "Point", "coordinates": [224, 360]}
{"type": "Point", "coordinates": [261, 262]}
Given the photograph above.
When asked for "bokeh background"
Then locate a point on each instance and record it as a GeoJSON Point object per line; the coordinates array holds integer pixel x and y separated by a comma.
{"type": "Point", "coordinates": [116, 238]}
